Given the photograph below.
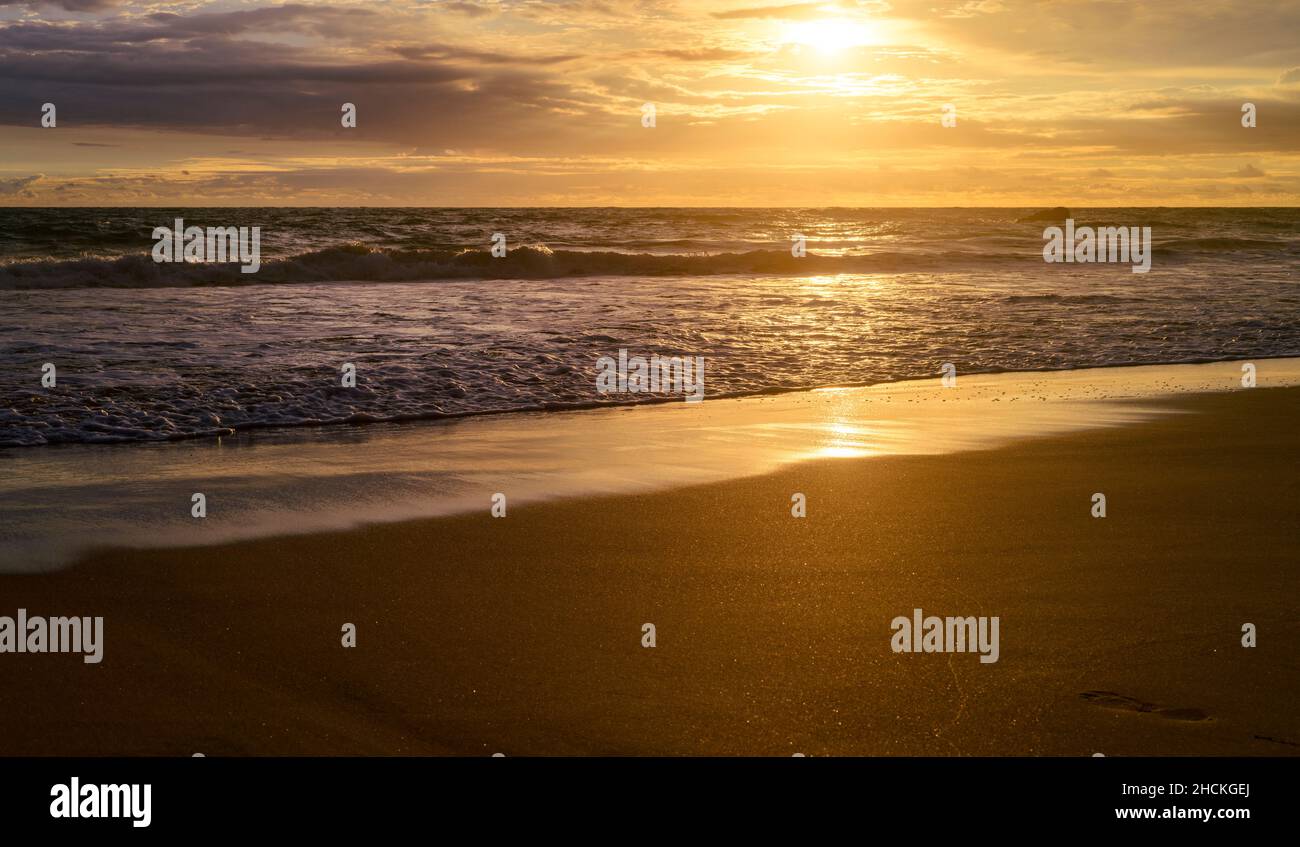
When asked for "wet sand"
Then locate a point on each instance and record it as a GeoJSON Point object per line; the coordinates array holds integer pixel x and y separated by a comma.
{"type": "Point", "coordinates": [522, 635]}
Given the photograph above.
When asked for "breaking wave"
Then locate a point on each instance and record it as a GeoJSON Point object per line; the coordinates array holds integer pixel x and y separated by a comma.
{"type": "Point", "coordinates": [367, 264]}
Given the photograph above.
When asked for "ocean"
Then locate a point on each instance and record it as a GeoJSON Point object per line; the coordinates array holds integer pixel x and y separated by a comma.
{"type": "Point", "coordinates": [436, 327]}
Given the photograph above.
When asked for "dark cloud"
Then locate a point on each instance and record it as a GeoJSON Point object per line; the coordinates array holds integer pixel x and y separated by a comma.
{"type": "Point", "coordinates": [19, 186]}
{"type": "Point", "coordinates": [182, 31]}
{"type": "Point", "coordinates": [239, 91]}
{"type": "Point", "coordinates": [66, 5]}
{"type": "Point", "coordinates": [205, 73]}
{"type": "Point", "coordinates": [449, 53]}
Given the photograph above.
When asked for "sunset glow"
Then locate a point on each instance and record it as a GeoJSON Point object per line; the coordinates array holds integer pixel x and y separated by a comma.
{"type": "Point", "coordinates": [513, 102]}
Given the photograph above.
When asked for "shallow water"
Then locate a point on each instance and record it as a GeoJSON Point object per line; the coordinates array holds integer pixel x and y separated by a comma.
{"type": "Point", "coordinates": [58, 501]}
{"type": "Point", "coordinates": [157, 364]}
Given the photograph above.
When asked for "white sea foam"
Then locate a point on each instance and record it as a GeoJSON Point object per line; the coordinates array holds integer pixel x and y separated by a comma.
{"type": "Point", "coordinates": [156, 365]}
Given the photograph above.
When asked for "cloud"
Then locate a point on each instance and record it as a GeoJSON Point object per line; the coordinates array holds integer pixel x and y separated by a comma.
{"type": "Point", "coordinates": [1115, 35]}
{"type": "Point", "coordinates": [205, 31]}
{"type": "Point", "coordinates": [445, 52]}
{"type": "Point", "coordinates": [976, 7]}
{"type": "Point", "coordinates": [284, 71]}
{"type": "Point", "coordinates": [473, 10]}
{"type": "Point", "coordinates": [66, 5]}
{"type": "Point", "coordinates": [1250, 171]}
{"type": "Point", "coordinates": [793, 11]}
{"type": "Point", "coordinates": [700, 54]}
{"type": "Point", "coordinates": [805, 11]}
{"type": "Point", "coordinates": [542, 99]}
{"type": "Point", "coordinates": [19, 186]}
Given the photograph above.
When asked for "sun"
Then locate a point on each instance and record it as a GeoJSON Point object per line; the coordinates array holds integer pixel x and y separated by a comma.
{"type": "Point", "coordinates": [828, 36]}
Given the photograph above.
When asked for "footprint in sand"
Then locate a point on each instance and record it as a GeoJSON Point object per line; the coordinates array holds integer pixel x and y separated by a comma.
{"type": "Point", "coordinates": [1121, 703]}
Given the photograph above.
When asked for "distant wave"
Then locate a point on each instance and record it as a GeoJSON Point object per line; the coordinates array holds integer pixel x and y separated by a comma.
{"type": "Point", "coordinates": [361, 263]}
{"type": "Point", "coordinates": [1071, 299]}
{"type": "Point", "coordinates": [1222, 244]}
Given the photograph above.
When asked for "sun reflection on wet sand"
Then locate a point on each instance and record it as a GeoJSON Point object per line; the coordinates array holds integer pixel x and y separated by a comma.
{"type": "Point", "coordinates": [294, 481]}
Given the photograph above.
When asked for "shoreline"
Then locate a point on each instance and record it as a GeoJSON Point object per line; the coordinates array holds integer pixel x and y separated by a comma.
{"type": "Point", "coordinates": [275, 483]}
{"type": "Point", "coordinates": [324, 428]}
{"type": "Point", "coordinates": [523, 635]}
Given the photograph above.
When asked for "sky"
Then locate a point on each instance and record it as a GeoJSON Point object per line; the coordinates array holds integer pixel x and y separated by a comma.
{"type": "Point", "coordinates": [755, 103]}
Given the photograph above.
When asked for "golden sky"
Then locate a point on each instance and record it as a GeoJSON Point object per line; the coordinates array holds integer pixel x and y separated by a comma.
{"type": "Point", "coordinates": [523, 102]}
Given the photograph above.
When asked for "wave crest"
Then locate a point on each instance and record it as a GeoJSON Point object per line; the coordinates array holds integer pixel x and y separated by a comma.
{"type": "Point", "coordinates": [357, 262]}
